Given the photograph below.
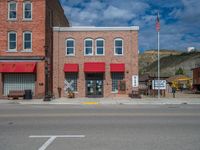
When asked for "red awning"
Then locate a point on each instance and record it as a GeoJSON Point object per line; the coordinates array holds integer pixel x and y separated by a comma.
{"type": "Point", "coordinates": [71, 68]}
{"type": "Point", "coordinates": [94, 67]}
{"type": "Point", "coordinates": [27, 67]}
{"type": "Point", "coordinates": [117, 67]}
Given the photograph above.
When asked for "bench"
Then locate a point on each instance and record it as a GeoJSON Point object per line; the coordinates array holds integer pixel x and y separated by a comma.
{"type": "Point", "coordinates": [15, 94]}
{"type": "Point", "coordinates": [135, 94]}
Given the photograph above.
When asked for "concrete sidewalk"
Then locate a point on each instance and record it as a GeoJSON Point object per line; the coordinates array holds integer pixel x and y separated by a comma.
{"type": "Point", "coordinates": [106, 101]}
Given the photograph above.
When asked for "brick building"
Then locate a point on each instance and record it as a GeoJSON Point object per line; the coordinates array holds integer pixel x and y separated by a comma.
{"type": "Point", "coordinates": [26, 44]}
{"type": "Point", "coordinates": [196, 77]}
{"type": "Point", "coordinates": [95, 61]}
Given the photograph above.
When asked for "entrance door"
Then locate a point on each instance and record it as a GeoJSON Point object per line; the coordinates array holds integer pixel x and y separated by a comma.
{"type": "Point", "coordinates": [94, 85]}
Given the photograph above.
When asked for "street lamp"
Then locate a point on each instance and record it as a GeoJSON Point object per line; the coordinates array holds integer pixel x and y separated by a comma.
{"type": "Point", "coordinates": [47, 96]}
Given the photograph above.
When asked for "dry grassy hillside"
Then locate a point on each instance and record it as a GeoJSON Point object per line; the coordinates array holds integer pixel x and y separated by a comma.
{"type": "Point", "coordinates": [169, 62]}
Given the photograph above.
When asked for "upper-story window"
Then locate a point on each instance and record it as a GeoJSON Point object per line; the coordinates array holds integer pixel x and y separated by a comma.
{"type": "Point", "coordinates": [27, 41]}
{"type": "Point", "coordinates": [88, 47]}
{"type": "Point", "coordinates": [12, 10]}
{"type": "Point", "coordinates": [118, 46]}
{"type": "Point", "coordinates": [27, 10]}
{"type": "Point", "coordinates": [12, 41]}
{"type": "Point", "coordinates": [70, 47]}
{"type": "Point", "coordinates": [100, 48]}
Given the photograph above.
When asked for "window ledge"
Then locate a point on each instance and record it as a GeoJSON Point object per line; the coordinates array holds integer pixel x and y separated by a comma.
{"type": "Point", "coordinates": [12, 20]}
{"type": "Point", "coordinates": [11, 51]}
{"type": "Point", "coordinates": [116, 92]}
{"type": "Point", "coordinates": [26, 51]}
{"type": "Point", "coordinates": [70, 55]}
{"type": "Point", "coordinates": [27, 20]}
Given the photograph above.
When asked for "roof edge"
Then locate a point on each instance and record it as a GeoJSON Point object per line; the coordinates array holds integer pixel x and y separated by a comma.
{"type": "Point", "coordinates": [92, 28]}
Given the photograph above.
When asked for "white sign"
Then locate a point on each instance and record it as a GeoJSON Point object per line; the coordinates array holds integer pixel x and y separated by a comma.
{"type": "Point", "coordinates": [156, 85]}
{"type": "Point", "coordinates": [135, 81]}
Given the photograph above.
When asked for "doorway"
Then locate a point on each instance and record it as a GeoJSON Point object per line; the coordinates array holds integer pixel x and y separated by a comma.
{"type": "Point", "coordinates": [94, 84]}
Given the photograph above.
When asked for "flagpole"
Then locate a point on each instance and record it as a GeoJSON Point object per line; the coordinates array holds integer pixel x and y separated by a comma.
{"type": "Point", "coordinates": [158, 64]}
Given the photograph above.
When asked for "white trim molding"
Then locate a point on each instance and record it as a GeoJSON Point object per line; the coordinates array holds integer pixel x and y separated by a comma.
{"type": "Point", "coordinates": [92, 47]}
{"type": "Point", "coordinates": [74, 44]}
{"type": "Point", "coordinates": [9, 11]}
{"type": "Point", "coordinates": [28, 49]}
{"type": "Point", "coordinates": [96, 46]}
{"type": "Point", "coordinates": [24, 3]}
{"type": "Point", "coordinates": [9, 48]}
{"type": "Point", "coordinates": [122, 46]}
{"type": "Point", "coordinates": [91, 28]}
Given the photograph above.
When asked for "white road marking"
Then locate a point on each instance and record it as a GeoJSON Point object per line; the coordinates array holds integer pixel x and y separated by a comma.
{"type": "Point", "coordinates": [52, 138]}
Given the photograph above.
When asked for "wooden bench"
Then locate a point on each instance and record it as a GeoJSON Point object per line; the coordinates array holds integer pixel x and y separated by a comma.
{"type": "Point", "coordinates": [15, 94]}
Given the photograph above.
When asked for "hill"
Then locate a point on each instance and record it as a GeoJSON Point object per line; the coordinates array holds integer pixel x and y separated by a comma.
{"type": "Point", "coordinates": [170, 62]}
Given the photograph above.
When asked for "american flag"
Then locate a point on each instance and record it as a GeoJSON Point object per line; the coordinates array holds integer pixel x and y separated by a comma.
{"type": "Point", "coordinates": [157, 23]}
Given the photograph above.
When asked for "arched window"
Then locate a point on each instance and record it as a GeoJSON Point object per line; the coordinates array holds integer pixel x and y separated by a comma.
{"type": "Point", "coordinates": [118, 48]}
{"type": "Point", "coordinates": [100, 46]}
{"type": "Point", "coordinates": [12, 10]}
{"type": "Point", "coordinates": [88, 47]}
{"type": "Point", "coordinates": [27, 10]}
{"type": "Point", "coordinates": [70, 47]}
{"type": "Point", "coordinates": [27, 41]}
{"type": "Point", "coordinates": [12, 41]}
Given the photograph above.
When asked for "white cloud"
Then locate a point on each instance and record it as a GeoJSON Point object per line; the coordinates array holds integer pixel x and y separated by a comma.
{"type": "Point", "coordinates": [179, 19]}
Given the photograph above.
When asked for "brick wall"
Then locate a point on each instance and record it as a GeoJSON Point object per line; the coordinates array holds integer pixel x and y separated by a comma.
{"type": "Point", "coordinates": [130, 58]}
{"type": "Point", "coordinates": [196, 76]}
{"type": "Point", "coordinates": [45, 14]}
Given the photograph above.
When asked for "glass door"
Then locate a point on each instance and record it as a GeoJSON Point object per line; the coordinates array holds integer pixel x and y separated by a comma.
{"type": "Point", "coordinates": [94, 86]}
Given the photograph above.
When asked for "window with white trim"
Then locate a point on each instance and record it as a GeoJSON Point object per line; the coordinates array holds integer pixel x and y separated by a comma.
{"type": "Point", "coordinates": [12, 41]}
{"type": "Point", "coordinates": [100, 49]}
{"type": "Point", "coordinates": [12, 10]}
{"type": "Point", "coordinates": [70, 47]}
{"type": "Point", "coordinates": [27, 41]}
{"type": "Point", "coordinates": [116, 78]}
{"type": "Point", "coordinates": [118, 46]}
{"type": "Point", "coordinates": [27, 10]}
{"type": "Point", "coordinates": [88, 47]}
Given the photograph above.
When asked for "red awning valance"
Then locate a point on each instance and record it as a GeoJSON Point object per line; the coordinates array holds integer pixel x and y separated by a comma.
{"type": "Point", "coordinates": [94, 67]}
{"type": "Point", "coordinates": [71, 68]}
{"type": "Point", "coordinates": [9, 67]}
{"type": "Point", "coordinates": [117, 67]}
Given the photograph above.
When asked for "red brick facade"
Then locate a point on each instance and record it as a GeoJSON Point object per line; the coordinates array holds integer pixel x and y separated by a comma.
{"type": "Point", "coordinates": [129, 57]}
{"type": "Point", "coordinates": [45, 14]}
{"type": "Point", "coordinates": [196, 78]}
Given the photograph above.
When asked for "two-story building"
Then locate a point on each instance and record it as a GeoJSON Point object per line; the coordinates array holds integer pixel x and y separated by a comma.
{"type": "Point", "coordinates": [95, 61]}
{"type": "Point", "coordinates": [26, 42]}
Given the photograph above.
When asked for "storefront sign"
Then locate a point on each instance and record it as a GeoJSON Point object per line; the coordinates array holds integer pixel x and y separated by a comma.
{"type": "Point", "coordinates": [159, 84]}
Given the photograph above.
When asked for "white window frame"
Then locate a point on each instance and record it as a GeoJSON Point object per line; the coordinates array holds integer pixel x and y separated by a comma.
{"type": "Point", "coordinates": [9, 3]}
{"type": "Point", "coordinates": [88, 39]}
{"type": "Point", "coordinates": [24, 3]}
{"type": "Point", "coordinates": [116, 47]}
{"type": "Point", "coordinates": [30, 49]}
{"type": "Point", "coordinates": [100, 47]}
{"type": "Point", "coordinates": [12, 50]}
{"type": "Point", "coordinates": [70, 39]}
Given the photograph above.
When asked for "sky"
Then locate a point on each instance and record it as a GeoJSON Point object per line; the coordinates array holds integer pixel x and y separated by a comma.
{"type": "Point", "coordinates": [179, 19]}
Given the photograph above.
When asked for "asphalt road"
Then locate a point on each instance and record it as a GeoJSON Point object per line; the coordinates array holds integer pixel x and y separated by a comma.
{"type": "Point", "coordinates": [97, 127]}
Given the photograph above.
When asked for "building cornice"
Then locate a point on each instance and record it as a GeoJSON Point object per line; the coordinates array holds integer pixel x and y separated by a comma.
{"type": "Point", "coordinates": [91, 28]}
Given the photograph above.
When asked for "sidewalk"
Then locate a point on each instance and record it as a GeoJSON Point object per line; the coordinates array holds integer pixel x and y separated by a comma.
{"type": "Point", "coordinates": [106, 101]}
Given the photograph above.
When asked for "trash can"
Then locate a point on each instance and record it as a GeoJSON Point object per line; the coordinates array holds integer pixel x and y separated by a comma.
{"type": "Point", "coordinates": [28, 94]}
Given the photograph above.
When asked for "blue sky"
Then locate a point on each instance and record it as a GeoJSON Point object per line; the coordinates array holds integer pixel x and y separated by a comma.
{"type": "Point", "coordinates": [180, 19]}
